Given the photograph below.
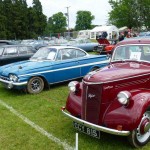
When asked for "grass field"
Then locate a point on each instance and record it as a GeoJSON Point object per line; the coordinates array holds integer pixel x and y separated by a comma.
{"type": "Point", "coordinates": [44, 110]}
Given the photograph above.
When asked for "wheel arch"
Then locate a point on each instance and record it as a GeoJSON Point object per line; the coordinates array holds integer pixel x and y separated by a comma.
{"type": "Point", "coordinates": [129, 116]}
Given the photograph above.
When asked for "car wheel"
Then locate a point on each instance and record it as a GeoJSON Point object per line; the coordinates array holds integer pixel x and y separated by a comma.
{"type": "Point", "coordinates": [35, 85]}
{"type": "Point", "coordinates": [141, 135]}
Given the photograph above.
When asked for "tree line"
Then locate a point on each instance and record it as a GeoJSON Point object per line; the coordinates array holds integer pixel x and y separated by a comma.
{"type": "Point", "coordinates": [18, 21]}
{"type": "Point", "coordinates": [130, 13]}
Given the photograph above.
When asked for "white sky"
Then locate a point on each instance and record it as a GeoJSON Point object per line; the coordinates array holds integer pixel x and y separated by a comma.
{"type": "Point", "coordinates": [98, 8]}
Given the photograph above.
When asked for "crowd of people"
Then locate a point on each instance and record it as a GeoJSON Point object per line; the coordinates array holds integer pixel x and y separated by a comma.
{"type": "Point", "coordinates": [126, 34]}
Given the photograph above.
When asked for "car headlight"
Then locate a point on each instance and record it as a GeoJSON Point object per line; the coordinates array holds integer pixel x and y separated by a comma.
{"type": "Point", "coordinates": [123, 97]}
{"type": "Point", "coordinates": [13, 77]}
{"type": "Point", "coordinates": [73, 86]}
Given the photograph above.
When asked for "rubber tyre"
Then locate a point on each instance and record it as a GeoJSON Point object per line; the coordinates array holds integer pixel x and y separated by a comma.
{"type": "Point", "coordinates": [137, 139]}
{"type": "Point", "coordinates": [35, 85]}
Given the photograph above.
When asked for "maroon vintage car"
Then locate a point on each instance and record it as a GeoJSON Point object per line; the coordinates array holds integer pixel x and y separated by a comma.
{"type": "Point", "coordinates": [115, 99]}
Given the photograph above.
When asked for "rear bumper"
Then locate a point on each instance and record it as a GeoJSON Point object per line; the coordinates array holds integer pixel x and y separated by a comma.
{"type": "Point", "coordinates": [11, 84]}
{"type": "Point", "coordinates": [96, 127]}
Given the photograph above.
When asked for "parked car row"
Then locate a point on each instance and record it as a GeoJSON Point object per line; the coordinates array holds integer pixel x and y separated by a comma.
{"type": "Point", "coordinates": [113, 97]}
{"type": "Point", "coordinates": [15, 53]}
{"type": "Point", "coordinates": [50, 65]}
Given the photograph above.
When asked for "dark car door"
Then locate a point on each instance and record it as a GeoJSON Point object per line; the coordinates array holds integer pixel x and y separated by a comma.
{"type": "Point", "coordinates": [10, 55]}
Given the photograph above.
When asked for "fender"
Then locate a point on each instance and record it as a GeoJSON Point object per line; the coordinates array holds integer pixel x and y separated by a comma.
{"type": "Point", "coordinates": [74, 102]}
{"type": "Point", "coordinates": [127, 117]}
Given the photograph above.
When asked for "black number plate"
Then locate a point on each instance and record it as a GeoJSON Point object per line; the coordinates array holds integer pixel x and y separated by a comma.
{"type": "Point", "coordinates": [87, 130]}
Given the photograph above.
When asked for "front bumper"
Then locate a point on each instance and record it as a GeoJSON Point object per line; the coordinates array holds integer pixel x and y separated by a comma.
{"type": "Point", "coordinates": [96, 127]}
{"type": "Point", "coordinates": [11, 84]}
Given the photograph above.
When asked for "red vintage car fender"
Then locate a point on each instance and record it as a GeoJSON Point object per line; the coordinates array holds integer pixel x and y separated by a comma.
{"type": "Point", "coordinates": [73, 104]}
{"type": "Point", "coordinates": [109, 48]}
{"type": "Point", "coordinates": [127, 117]}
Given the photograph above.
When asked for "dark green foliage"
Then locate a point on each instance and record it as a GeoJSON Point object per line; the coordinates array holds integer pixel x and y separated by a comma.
{"type": "Point", "coordinates": [57, 23]}
{"type": "Point", "coordinates": [84, 20]}
{"type": "Point", "coordinates": [131, 13]}
{"type": "Point", "coordinates": [17, 21]}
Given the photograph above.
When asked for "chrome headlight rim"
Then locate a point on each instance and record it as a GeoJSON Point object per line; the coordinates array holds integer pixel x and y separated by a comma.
{"type": "Point", "coordinates": [13, 78]}
{"type": "Point", "coordinates": [73, 86]}
{"type": "Point", "coordinates": [124, 97]}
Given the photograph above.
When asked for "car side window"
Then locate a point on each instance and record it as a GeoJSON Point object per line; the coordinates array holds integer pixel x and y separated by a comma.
{"type": "Point", "coordinates": [10, 51]}
{"type": "Point", "coordinates": [68, 53]}
{"type": "Point", "coordinates": [30, 50]}
{"type": "Point", "coordinates": [22, 50]}
{"type": "Point", "coordinates": [59, 55]}
{"type": "Point", "coordinates": [64, 54]}
{"type": "Point", "coordinates": [80, 53]}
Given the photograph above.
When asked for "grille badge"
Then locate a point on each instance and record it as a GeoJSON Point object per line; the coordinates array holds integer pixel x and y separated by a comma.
{"type": "Point", "coordinates": [91, 95]}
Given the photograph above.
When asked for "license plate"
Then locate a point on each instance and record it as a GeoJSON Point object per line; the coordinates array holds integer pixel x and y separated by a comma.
{"type": "Point", "coordinates": [87, 130]}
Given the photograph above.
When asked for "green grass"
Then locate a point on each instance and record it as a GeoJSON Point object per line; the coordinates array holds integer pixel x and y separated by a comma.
{"type": "Point", "coordinates": [44, 110]}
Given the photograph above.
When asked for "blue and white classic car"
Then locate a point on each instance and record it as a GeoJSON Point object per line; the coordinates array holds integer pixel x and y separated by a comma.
{"type": "Point", "coordinates": [50, 65]}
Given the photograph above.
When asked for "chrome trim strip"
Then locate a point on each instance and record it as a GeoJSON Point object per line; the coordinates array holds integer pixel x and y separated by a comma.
{"type": "Point", "coordinates": [114, 80]}
{"type": "Point", "coordinates": [102, 62]}
{"type": "Point", "coordinates": [97, 127]}
{"type": "Point", "coordinates": [66, 80]}
{"type": "Point", "coordinates": [13, 83]}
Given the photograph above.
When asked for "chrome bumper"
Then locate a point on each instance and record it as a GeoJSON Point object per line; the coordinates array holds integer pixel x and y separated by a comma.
{"type": "Point", "coordinates": [11, 83]}
{"type": "Point", "coordinates": [96, 127]}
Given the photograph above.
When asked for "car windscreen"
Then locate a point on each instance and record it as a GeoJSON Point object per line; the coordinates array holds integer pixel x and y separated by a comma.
{"type": "Point", "coordinates": [132, 52]}
{"type": "Point", "coordinates": [45, 53]}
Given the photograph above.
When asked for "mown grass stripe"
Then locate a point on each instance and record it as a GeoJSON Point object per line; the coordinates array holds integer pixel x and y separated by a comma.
{"type": "Point", "coordinates": [36, 127]}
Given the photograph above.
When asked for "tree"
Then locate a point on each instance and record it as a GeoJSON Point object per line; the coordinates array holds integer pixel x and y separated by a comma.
{"type": "Point", "coordinates": [3, 34]}
{"type": "Point", "coordinates": [49, 27]}
{"type": "Point", "coordinates": [57, 23]}
{"type": "Point", "coordinates": [131, 13]}
{"type": "Point", "coordinates": [20, 20]}
{"type": "Point", "coordinates": [8, 18]}
{"type": "Point", "coordinates": [84, 20]}
{"type": "Point", "coordinates": [39, 20]}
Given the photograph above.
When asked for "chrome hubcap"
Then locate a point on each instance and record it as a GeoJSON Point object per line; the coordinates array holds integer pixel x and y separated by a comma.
{"type": "Point", "coordinates": [143, 130]}
{"type": "Point", "coordinates": [35, 85]}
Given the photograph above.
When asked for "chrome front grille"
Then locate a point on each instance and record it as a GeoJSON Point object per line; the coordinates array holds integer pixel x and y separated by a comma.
{"type": "Point", "coordinates": [4, 78]}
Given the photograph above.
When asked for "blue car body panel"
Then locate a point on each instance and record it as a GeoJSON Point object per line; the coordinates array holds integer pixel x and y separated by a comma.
{"type": "Point", "coordinates": [53, 71]}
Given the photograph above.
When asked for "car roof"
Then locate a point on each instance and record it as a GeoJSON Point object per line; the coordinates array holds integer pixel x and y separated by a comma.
{"type": "Point", "coordinates": [15, 45]}
{"type": "Point", "coordinates": [6, 41]}
{"type": "Point", "coordinates": [61, 47]}
{"type": "Point", "coordinates": [136, 40]}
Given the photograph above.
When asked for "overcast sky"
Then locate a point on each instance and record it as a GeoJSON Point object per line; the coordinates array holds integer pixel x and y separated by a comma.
{"type": "Point", "coordinates": [98, 8]}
